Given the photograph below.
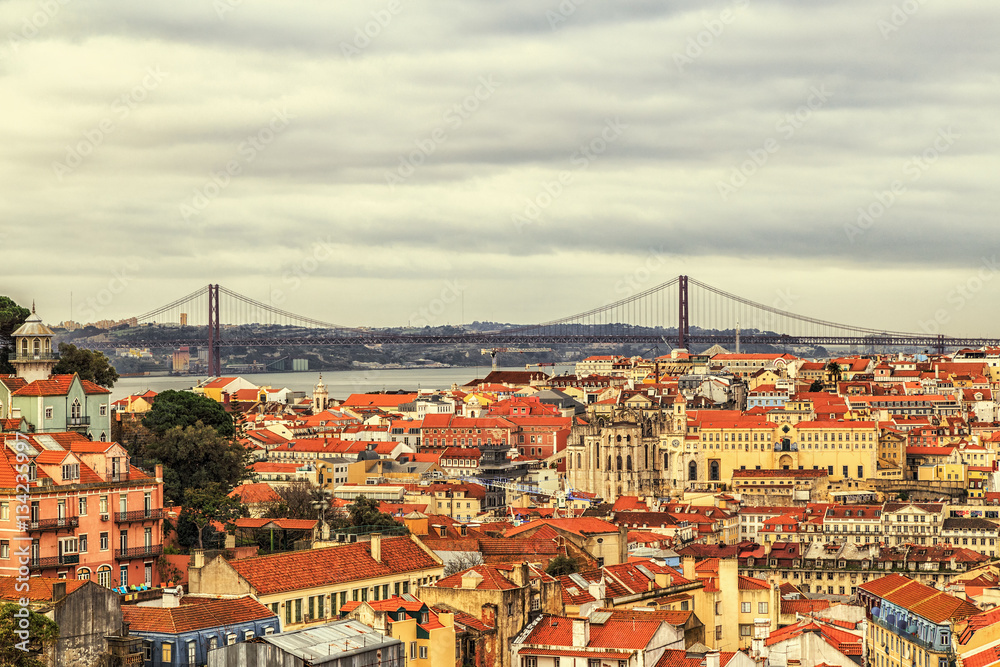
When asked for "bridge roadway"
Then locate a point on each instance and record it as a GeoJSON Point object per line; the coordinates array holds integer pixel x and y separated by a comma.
{"type": "Point", "coordinates": [500, 339]}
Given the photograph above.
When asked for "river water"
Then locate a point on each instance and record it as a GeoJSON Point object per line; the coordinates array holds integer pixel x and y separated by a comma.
{"type": "Point", "coordinates": [339, 384]}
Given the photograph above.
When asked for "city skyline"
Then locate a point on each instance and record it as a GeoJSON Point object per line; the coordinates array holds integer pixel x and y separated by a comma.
{"type": "Point", "coordinates": [529, 161]}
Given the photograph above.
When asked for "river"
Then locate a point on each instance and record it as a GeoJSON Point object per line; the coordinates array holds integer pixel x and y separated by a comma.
{"type": "Point", "coordinates": [339, 384]}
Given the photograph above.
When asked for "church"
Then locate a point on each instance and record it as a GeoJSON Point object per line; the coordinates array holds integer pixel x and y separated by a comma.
{"type": "Point", "coordinates": [33, 400]}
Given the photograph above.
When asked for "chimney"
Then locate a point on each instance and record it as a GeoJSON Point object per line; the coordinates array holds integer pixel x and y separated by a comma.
{"type": "Point", "coordinates": [59, 590]}
{"type": "Point", "coordinates": [712, 659]}
{"type": "Point", "coordinates": [159, 472]}
{"type": "Point", "coordinates": [199, 558]}
{"type": "Point", "coordinates": [688, 566]}
{"type": "Point", "coordinates": [171, 597]}
{"type": "Point", "coordinates": [376, 545]}
{"type": "Point", "coordinates": [581, 633]}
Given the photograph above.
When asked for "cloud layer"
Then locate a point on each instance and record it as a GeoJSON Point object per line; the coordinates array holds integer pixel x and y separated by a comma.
{"type": "Point", "coordinates": [357, 158]}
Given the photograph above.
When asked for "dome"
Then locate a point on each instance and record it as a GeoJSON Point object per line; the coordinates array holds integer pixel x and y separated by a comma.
{"type": "Point", "coordinates": [33, 327]}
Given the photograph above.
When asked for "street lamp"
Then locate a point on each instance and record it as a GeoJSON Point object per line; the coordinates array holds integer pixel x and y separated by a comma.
{"type": "Point", "coordinates": [321, 504]}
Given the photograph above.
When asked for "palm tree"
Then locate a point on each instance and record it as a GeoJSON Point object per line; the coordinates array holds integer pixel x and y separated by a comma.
{"type": "Point", "coordinates": [833, 369]}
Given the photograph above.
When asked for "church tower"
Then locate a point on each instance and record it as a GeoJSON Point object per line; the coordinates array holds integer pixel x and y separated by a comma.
{"type": "Point", "coordinates": [321, 399]}
{"type": "Point", "coordinates": [33, 357]}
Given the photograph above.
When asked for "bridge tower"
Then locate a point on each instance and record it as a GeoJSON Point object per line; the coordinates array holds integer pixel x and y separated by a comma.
{"type": "Point", "coordinates": [682, 318]}
{"type": "Point", "coordinates": [214, 341]}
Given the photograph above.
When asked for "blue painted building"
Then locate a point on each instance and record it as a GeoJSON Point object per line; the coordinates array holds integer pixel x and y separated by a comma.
{"type": "Point", "coordinates": [183, 635]}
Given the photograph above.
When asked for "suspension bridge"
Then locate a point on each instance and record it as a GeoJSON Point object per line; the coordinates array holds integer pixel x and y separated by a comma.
{"type": "Point", "coordinates": [682, 312]}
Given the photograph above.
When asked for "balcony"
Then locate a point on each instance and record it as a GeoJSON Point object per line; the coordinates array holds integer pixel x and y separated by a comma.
{"type": "Point", "coordinates": [36, 356]}
{"type": "Point", "coordinates": [139, 552]}
{"type": "Point", "coordinates": [138, 516]}
{"type": "Point", "coordinates": [115, 475]}
{"type": "Point", "coordinates": [53, 561]}
{"type": "Point", "coordinates": [72, 422]}
{"type": "Point", "coordinates": [40, 525]}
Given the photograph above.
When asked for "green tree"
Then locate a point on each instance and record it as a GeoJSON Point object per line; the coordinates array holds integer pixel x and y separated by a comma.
{"type": "Point", "coordinates": [11, 317]}
{"type": "Point", "coordinates": [210, 503]}
{"type": "Point", "coordinates": [816, 386]}
{"type": "Point", "coordinates": [833, 370]}
{"type": "Point", "coordinates": [185, 408]}
{"type": "Point", "coordinates": [195, 456]}
{"type": "Point", "coordinates": [364, 511]}
{"type": "Point", "coordinates": [562, 565]}
{"type": "Point", "coordinates": [27, 649]}
{"type": "Point", "coordinates": [89, 364]}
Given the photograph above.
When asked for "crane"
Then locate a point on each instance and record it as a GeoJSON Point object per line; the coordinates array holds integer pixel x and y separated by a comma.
{"type": "Point", "coordinates": [493, 351]}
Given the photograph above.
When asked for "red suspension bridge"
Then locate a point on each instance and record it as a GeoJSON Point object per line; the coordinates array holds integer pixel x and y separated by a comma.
{"type": "Point", "coordinates": [681, 311]}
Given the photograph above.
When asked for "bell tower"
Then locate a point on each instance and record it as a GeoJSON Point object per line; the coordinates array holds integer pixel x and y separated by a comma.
{"type": "Point", "coordinates": [33, 357]}
{"type": "Point", "coordinates": [320, 397]}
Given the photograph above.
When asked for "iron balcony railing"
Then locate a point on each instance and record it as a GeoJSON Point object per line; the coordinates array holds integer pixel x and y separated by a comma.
{"type": "Point", "coordinates": [53, 561]}
{"type": "Point", "coordinates": [39, 525]}
{"type": "Point", "coordinates": [138, 516]}
{"type": "Point", "coordinates": [139, 552]}
{"type": "Point", "coordinates": [78, 421]}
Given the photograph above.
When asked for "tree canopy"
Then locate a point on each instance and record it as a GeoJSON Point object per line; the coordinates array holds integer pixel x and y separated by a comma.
{"type": "Point", "coordinates": [195, 456]}
{"type": "Point", "coordinates": [205, 505]}
{"type": "Point", "coordinates": [561, 565]}
{"type": "Point", "coordinates": [364, 511]}
{"type": "Point", "coordinates": [88, 364]}
{"type": "Point", "coordinates": [15, 649]}
{"type": "Point", "coordinates": [11, 317]}
{"type": "Point", "coordinates": [184, 408]}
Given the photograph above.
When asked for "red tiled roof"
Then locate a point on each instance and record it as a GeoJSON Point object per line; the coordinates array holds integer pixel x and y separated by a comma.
{"type": "Point", "coordinates": [334, 565]}
{"type": "Point", "coordinates": [922, 600]}
{"type": "Point", "coordinates": [578, 526]}
{"type": "Point", "coordinates": [189, 617]}
{"type": "Point", "coordinates": [39, 588]}
{"type": "Point", "coordinates": [255, 493]}
{"type": "Point", "coordinates": [492, 579]}
{"type": "Point", "coordinates": [678, 658]}
{"type": "Point", "coordinates": [58, 385]}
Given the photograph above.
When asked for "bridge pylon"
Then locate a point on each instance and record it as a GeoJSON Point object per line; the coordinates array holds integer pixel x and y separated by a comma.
{"type": "Point", "coordinates": [214, 341]}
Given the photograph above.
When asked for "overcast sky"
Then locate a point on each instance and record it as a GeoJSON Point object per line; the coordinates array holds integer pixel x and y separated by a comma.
{"type": "Point", "coordinates": [363, 159]}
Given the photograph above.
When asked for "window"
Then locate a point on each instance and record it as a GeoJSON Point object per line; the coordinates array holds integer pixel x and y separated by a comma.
{"type": "Point", "coordinates": [83, 574]}
{"type": "Point", "coordinates": [192, 652]}
{"type": "Point", "coordinates": [230, 638]}
{"type": "Point", "coordinates": [423, 652]}
{"type": "Point", "coordinates": [5, 549]}
{"type": "Point", "coordinates": [745, 607]}
{"type": "Point", "coordinates": [167, 652]}
{"type": "Point", "coordinates": [83, 506]}
{"type": "Point", "coordinates": [718, 632]}
{"type": "Point", "coordinates": [745, 629]}
{"type": "Point", "coordinates": [413, 650]}
{"type": "Point", "coordinates": [247, 635]}
{"type": "Point", "coordinates": [104, 504]}
{"type": "Point", "coordinates": [527, 661]}
{"type": "Point", "coordinates": [761, 607]}
{"type": "Point", "coordinates": [104, 576]}
{"type": "Point", "coordinates": [104, 541]}
{"type": "Point", "coordinates": [4, 511]}
{"type": "Point", "coordinates": [104, 410]}
{"type": "Point", "coordinates": [213, 642]}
